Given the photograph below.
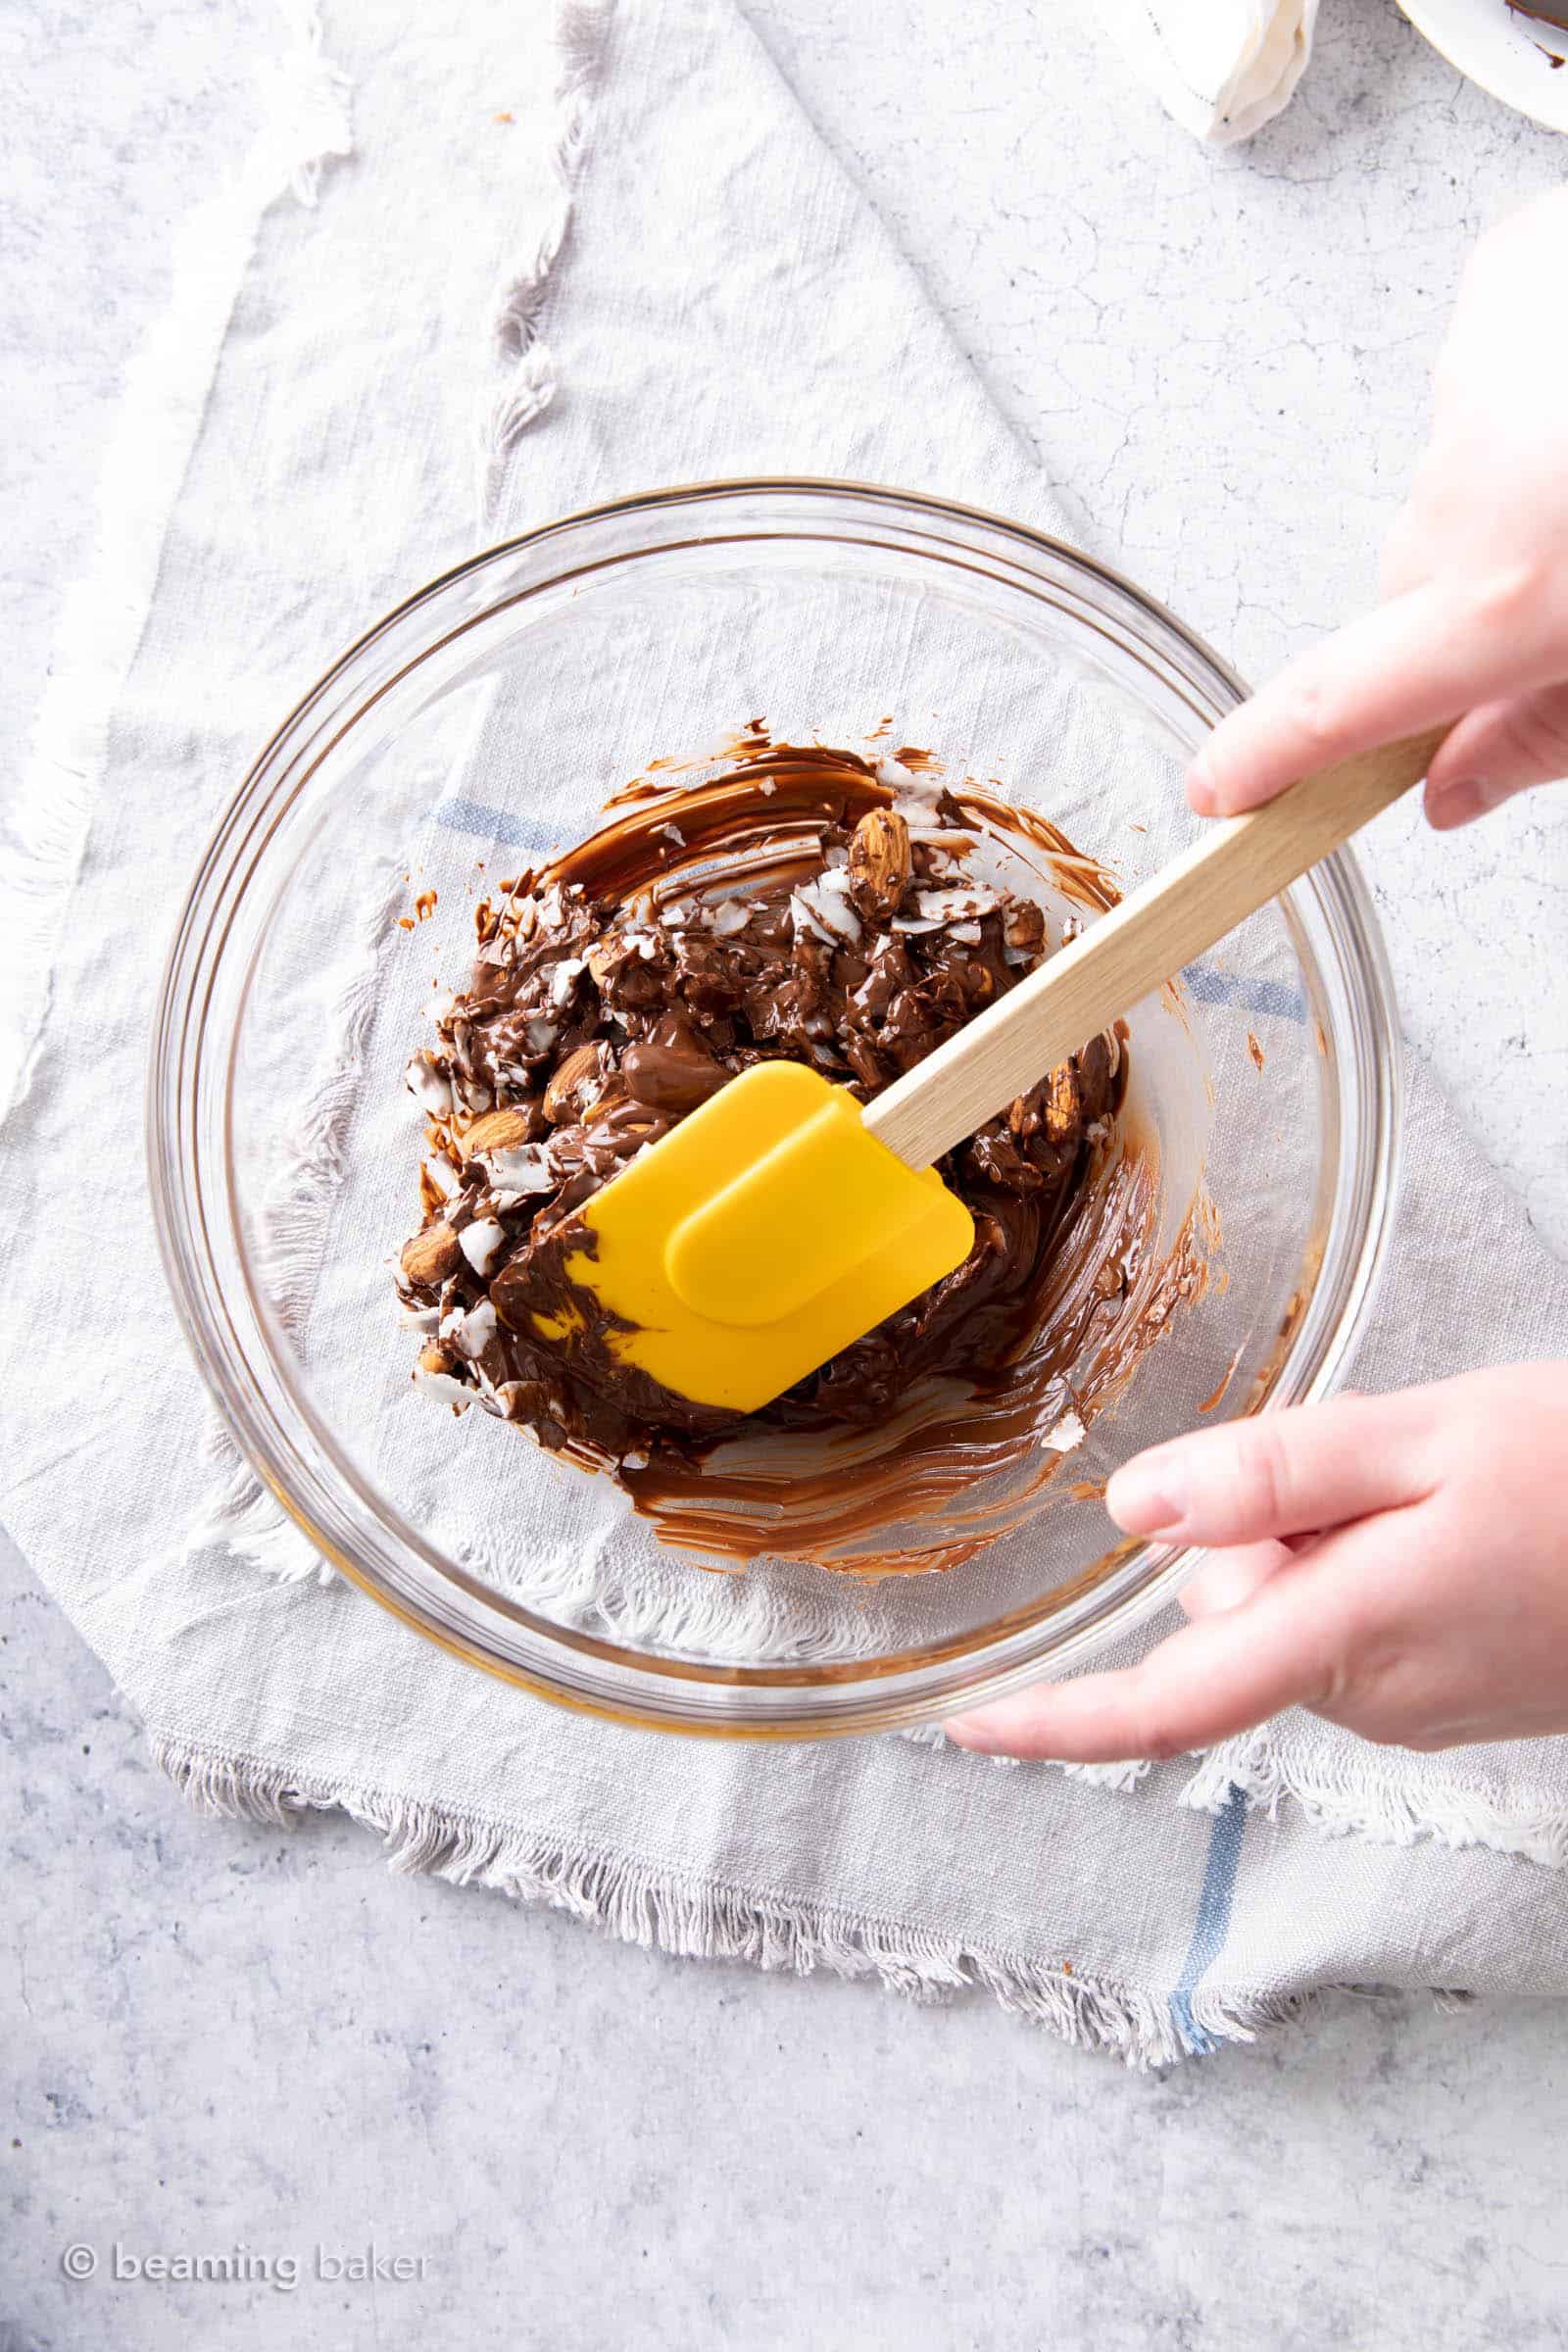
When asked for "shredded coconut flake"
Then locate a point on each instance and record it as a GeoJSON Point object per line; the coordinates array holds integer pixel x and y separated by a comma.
{"type": "Point", "coordinates": [429, 1089]}
{"type": "Point", "coordinates": [563, 979]}
{"type": "Point", "coordinates": [673, 833]}
{"type": "Point", "coordinates": [480, 1243]}
{"type": "Point", "coordinates": [443, 1174]}
{"type": "Point", "coordinates": [1068, 1432]}
{"type": "Point", "coordinates": [817, 908]}
{"type": "Point", "coordinates": [475, 1330]}
{"type": "Point", "coordinates": [525, 1171]}
{"type": "Point", "coordinates": [444, 1387]}
{"type": "Point", "coordinates": [950, 906]}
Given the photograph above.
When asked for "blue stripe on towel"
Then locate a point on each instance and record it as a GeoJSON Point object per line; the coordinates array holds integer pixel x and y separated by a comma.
{"type": "Point", "coordinates": [1213, 1922]}
{"type": "Point", "coordinates": [1271, 997]}
{"type": "Point", "coordinates": [507, 832]}
{"type": "Point", "coordinates": [1202, 980]}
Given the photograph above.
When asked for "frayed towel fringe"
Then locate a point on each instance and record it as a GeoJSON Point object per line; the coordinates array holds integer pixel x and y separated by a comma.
{"type": "Point", "coordinates": [692, 1920]}
{"type": "Point", "coordinates": [1382, 1813]}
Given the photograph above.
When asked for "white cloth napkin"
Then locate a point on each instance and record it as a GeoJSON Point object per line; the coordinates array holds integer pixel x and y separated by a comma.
{"type": "Point", "coordinates": [1221, 68]}
{"type": "Point", "coordinates": [659, 237]}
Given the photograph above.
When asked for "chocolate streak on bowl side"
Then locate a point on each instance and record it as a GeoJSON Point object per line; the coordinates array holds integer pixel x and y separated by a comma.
{"type": "Point", "coordinates": [710, 925]}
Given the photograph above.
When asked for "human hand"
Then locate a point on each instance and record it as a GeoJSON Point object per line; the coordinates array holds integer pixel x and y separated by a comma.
{"type": "Point", "coordinates": [1399, 1564]}
{"type": "Point", "coordinates": [1474, 622]}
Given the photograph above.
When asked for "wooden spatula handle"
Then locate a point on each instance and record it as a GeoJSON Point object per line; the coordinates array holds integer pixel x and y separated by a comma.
{"type": "Point", "coordinates": [1234, 866]}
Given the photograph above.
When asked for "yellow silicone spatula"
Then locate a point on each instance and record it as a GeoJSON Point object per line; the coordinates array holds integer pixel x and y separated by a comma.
{"type": "Point", "coordinates": [781, 1220]}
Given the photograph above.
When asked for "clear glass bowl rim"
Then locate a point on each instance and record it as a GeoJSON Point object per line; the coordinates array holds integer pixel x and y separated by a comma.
{"type": "Point", "coordinates": [484, 1627]}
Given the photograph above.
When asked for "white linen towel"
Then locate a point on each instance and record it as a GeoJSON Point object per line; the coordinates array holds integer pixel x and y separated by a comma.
{"type": "Point", "coordinates": [321, 469]}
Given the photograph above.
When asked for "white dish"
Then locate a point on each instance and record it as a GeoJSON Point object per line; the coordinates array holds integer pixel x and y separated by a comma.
{"type": "Point", "coordinates": [1510, 55]}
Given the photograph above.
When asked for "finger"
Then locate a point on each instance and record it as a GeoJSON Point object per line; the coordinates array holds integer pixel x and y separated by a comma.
{"type": "Point", "coordinates": [1228, 1579]}
{"type": "Point", "coordinates": [1278, 1474]}
{"type": "Point", "coordinates": [1501, 748]}
{"type": "Point", "coordinates": [1412, 663]}
{"type": "Point", "coordinates": [1208, 1682]}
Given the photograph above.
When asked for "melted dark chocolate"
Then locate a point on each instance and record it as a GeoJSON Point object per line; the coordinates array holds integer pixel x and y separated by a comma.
{"type": "Point", "coordinates": [797, 908]}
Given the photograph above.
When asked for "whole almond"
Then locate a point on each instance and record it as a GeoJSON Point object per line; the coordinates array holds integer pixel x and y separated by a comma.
{"type": "Point", "coordinates": [496, 1131]}
{"type": "Point", "coordinates": [1064, 1104]}
{"type": "Point", "coordinates": [561, 1094]}
{"type": "Point", "coordinates": [431, 1256]}
{"type": "Point", "coordinates": [880, 864]}
{"type": "Point", "coordinates": [433, 1357]}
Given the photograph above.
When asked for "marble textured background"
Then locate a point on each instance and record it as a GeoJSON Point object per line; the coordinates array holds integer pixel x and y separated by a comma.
{"type": "Point", "coordinates": [215, 2038]}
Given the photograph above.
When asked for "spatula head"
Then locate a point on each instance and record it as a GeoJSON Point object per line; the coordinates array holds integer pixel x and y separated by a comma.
{"type": "Point", "coordinates": [764, 1234]}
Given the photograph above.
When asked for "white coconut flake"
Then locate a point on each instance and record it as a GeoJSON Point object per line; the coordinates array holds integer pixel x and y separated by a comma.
{"type": "Point", "coordinates": [444, 1387]}
{"type": "Point", "coordinates": [1068, 1432]}
{"type": "Point", "coordinates": [426, 1085]}
{"type": "Point", "coordinates": [729, 916]}
{"type": "Point", "coordinates": [837, 856]}
{"type": "Point", "coordinates": [914, 923]}
{"type": "Point", "coordinates": [564, 977]}
{"type": "Point", "coordinates": [419, 1318]}
{"type": "Point", "coordinates": [644, 943]}
{"type": "Point", "coordinates": [766, 787]}
{"type": "Point", "coordinates": [443, 1174]}
{"type": "Point", "coordinates": [825, 911]}
{"type": "Point", "coordinates": [525, 1170]}
{"type": "Point", "coordinates": [541, 1035]}
{"type": "Point", "coordinates": [673, 833]}
{"type": "Point", "coordinates": [475, 1330]}
{"type": "Point", "coordinates": [949, 905]}
{"type": "Point", "coordinates": [480, 1243]}
{"type": "Point", "coordinates": [969, 933]}
{"type": "Point", "coordinates": [1017, 955]}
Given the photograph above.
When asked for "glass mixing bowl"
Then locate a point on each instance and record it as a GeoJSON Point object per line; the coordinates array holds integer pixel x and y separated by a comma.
{"type": "Point", "coordinates": [492, 716]}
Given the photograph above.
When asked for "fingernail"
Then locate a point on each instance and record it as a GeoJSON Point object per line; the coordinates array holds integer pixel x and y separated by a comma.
{"type": "Point", "coordinates": [1457, 803]}
{"type": "Point", "coordinates": [973, 1733]}
{"type": "Point", "coordinates": [1203, 795]}
{"type": "Point", "coordinates": [1147, 1496]}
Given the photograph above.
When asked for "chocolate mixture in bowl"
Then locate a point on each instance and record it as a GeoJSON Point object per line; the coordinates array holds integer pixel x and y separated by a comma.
{"type": "Point", "coordinates": [808, 905]}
